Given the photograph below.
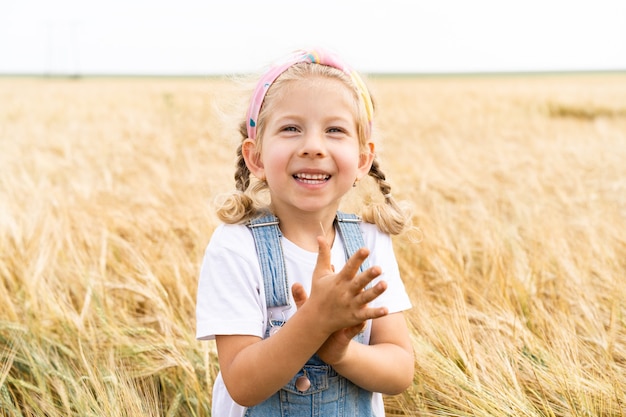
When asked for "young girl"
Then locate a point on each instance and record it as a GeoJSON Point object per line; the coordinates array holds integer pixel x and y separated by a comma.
{"type": "Point", "coordinates": [305, 302]}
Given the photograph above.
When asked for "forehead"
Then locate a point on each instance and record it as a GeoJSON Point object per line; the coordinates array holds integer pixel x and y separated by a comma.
{"type": "Point", "coordinates": [314, 98]}
{"type": "Point", "coordinates": [313, 87]}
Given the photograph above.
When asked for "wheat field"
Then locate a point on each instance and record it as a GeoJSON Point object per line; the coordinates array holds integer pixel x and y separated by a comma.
{"type": "Point", "coordinates": [517, 268]}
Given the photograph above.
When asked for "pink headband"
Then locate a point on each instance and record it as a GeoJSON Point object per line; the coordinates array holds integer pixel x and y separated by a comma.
{"type": "Point", "coordinates": [316, 56]}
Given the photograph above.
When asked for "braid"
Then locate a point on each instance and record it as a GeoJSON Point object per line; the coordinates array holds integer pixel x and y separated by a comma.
{"type": "Point", "coordinates": [388, 216]}
{"type": "Point", "coordinates": [242, 174]}
{"type": "Point", "coordinates": [379, 176]}
{"type": "Point", "coordinates": [240, 205]}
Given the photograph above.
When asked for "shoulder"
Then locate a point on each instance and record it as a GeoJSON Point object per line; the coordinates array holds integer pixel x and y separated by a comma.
{"type": "Point", "coordinates": [230, 246]}
{"type": "Point", "coordinates": [231, 237]}
{"type": "Point", "coordinates": [373, 237]}
{"type": "Point", "coordinates": [380, 246]}
{"type": "Point", "coordinates": [231, 250]}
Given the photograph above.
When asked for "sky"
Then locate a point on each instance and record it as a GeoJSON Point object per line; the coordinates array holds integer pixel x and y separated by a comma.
{"type": "Point", "coordinates": [206, 37]}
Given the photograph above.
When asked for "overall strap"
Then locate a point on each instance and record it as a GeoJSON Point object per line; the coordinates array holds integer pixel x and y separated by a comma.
{"type": "Point", "coordinates": [352, 238]}
{"type": "Point", "coordinates": [269, 250]}
{"type": "Point", "coordinates": [351, 235]}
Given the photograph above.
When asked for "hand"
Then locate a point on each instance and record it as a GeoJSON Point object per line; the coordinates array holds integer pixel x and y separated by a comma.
{"type": "Point", "coordinates": [335, 347]}
{"type": "Point", "coordinates": [339, 299]}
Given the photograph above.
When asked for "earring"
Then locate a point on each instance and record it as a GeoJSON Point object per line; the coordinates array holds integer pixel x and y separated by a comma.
{"type": "Point", "coordinates": [355, 182]}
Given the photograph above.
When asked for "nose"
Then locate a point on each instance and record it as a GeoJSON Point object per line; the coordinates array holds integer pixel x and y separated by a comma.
{"type": "Point", "coordinates": [313, 145]}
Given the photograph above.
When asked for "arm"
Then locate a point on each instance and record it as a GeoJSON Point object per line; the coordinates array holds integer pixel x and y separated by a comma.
{"type": "Point", "coordinates": [386, 365]}
{"type": "Point", "coordinates": [253, 369]}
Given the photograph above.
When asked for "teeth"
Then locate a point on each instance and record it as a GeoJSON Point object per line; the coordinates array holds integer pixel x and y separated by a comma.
{"type": "Point", "coordinates": [312, 177]}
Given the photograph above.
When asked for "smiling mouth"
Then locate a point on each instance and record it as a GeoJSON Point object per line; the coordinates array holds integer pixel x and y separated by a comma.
{"type": "Point", "coordinates": [312, 178]}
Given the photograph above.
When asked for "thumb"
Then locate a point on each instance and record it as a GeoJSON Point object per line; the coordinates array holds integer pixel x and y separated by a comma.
{"type": "Point", "coordinates": [351, 332]}
{"type": "Point", "coordinates": [299, 294]}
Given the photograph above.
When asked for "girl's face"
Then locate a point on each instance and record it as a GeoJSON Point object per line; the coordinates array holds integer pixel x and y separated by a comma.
{"type": "Point", "coordinates": [310, 155]}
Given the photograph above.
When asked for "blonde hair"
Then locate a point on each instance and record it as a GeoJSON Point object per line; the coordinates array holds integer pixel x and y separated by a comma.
{"type": "Point", "coordinates": [246, 202]}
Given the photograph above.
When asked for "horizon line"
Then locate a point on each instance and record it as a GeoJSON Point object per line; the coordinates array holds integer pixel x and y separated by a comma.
{"type": "Point", "coordinates": [77, 75]}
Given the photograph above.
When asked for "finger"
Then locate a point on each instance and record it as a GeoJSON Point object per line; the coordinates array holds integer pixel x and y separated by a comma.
{"type": "Point", "coordinates": [373, 313]}
{"type": "Point", "coordinates": [353, 264]}
{"type": "Point", "coordinates": [299, 294]}
{"type": "Point", "coordinates": [369, 295]}
{"type": "Point", "coordinates": [323, 266]}
{"type": "Point", "coordinates": [369, 275]}
{"type": "Point", "coordinates": [361, 280]}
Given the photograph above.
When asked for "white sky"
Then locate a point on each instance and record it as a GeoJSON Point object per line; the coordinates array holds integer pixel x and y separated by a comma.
{"type": "Point", "coordinates": [212, 37]}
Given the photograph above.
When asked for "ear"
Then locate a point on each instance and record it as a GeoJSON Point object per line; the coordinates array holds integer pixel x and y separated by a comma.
{"type": "Point", "coordinates": [366, 159]}
{"type": "Point", "coordinates": [252, 157]}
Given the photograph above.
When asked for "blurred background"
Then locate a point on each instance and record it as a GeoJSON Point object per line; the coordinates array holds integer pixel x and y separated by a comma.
{"type": "Point", "coordinates": [195, 37]}
{"type": "Point", "coordinates": [518, 184]}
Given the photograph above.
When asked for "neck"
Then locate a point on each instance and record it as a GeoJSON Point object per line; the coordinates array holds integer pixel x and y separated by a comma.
{"type": "Point", "coordinates": [303, 230]}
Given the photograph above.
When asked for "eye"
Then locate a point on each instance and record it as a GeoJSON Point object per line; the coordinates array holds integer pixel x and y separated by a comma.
{"type": "Point", "coordinates": [289, 129]}
{"type": "Point", "coordinates": [337, 132]}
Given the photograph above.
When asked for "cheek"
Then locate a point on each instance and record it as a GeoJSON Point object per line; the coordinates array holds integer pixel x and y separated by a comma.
{"type": "Point", "coordinates": [275, 161]}
{"type": "Point", "coordinates": [351, 156]}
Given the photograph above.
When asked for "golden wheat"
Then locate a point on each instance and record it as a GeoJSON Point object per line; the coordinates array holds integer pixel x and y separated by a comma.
{"type": "Point", "coordinates": [518, 280]}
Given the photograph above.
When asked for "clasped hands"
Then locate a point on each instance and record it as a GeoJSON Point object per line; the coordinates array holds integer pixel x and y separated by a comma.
{"type": "Point", "coordinates": [340, 299]}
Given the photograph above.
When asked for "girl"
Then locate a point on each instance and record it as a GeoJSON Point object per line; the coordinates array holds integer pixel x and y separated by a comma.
{"type": "Point", "coordinates": [303, 325]}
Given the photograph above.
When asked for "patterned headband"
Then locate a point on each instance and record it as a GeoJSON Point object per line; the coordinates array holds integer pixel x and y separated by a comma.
{"type": "Point", "coordinates": [316, 56]}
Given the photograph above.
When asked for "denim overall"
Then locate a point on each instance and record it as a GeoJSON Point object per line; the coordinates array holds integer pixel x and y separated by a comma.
{"type": "Point", "coordinates": [329, 393]}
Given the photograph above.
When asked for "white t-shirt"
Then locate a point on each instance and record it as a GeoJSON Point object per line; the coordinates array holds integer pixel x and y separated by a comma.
{"type": "Point", "coordinates": [231, 298]}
